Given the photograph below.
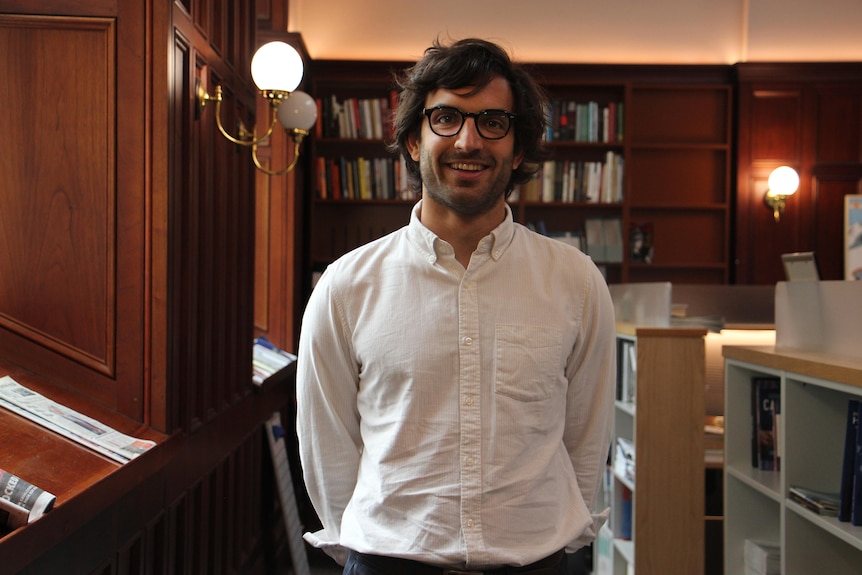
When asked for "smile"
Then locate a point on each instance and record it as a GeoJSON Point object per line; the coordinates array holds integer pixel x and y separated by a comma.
{"type": "Point", "coordinates": [467, 167]}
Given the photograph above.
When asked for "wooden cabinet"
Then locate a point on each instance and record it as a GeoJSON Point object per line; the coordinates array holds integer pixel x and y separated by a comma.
{"type": "Point", "coordinates": [671, 135]}
{"type": "Point", "coordinates": [815, 389]}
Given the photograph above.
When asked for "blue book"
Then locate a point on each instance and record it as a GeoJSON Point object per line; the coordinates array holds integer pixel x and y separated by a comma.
{"type": "Point", "coordinates": [856, 506]}
{"type": "Point", "coordinates": [849, 464]}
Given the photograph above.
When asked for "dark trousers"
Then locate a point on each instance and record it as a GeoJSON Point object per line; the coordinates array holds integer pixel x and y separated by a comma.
{"type": "Point", "coordinates": [361, 564]}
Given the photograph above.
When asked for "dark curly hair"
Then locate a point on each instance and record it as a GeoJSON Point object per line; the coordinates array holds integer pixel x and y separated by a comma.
{"type": "Point", "coordinates": [472, 63]}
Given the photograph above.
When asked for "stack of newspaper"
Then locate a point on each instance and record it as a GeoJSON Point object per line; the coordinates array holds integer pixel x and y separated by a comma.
{"type": "Point", "coordinates": [69, 423]}
{"type": "Point", "coordinates": [268, 360]}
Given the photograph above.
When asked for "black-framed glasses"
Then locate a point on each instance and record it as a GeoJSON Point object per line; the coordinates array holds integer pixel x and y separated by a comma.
{"type": "Point", "coordinates": [447, 121]}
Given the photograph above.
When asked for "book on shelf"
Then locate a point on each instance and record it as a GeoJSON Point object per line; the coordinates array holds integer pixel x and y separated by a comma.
{"type": "Point", "coordinates": [820, 502]}
{"type": "Point", "coordinates": [766, 410]}
{"type": "Point", "coordinates": [762, 557]}
{"type": "Point", "coordinates": [848, 464]}
{"type": "Point", "coordinates": [571, 181]}
{"type": "Point", "coordinates": [604, 239]}
{"type": "Point", "coordinates": [625, 513]}
{"type": "Point", "coordinates": [268, 359]}
{"type": "Point", "coordinates": [589, 121]}
{"type": "Point", "coordinates": [856, 504]}
{"type": "Point", "coordinates": [21, 502]}
{"type": "Point", "coordinates": [573, 238]}
{"type": "Point", "coordinates": [627, 371]}
{"type": "Point", "coordinates": [355, 118]}
{"type": "Point", "coordinates": [641, 242]}
{"type": "Point", "coordinates": [362, 178]}
{"type": "Point", "coordinates": [624, 459]}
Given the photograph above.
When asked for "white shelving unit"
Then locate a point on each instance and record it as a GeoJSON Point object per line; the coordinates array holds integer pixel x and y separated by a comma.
{"type": "Point", "coordinates": [672, 530]}
{"type": "Point", "coordinates": [818, 377]}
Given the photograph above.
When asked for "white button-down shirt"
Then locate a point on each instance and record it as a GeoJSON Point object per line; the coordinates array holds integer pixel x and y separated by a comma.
{"type": "Point", "coordinates": [451, 416]}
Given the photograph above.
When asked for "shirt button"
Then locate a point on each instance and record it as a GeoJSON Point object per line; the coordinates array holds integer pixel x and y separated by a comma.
{"type": "Point", "coordinates": [469, 401]}
{"type": "Point", "coordinates": [469, 523]}
{"type": "Point", "coordinates": [468, 341]}
{"type": "Point", "coordinates": [470, 462]}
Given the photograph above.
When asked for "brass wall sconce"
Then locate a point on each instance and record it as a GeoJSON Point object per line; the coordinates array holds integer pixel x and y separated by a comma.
{"type": "Point", "coordinates": [276, 69]}
{"type": "Point", "coordinates": [783, 183]}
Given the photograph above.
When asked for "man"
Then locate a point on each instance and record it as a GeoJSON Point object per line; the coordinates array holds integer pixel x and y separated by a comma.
{"type": "Point", "coordinates": [455, 378]}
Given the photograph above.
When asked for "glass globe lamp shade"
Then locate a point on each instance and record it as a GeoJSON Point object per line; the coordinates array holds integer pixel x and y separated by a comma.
{"type": "Point", "coordinates": [276, 66]}
{"type": "Point", "coordinates": [298, 112]}
{"type": "Point", "coordinates": [783, 181]}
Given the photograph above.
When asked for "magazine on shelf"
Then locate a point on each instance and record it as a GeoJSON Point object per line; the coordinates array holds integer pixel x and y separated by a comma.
{"type": "Point", "coordinates": [69, 423]}
{"type": "Point", "coordinates": [819, 502]}
{"type": "Point", "coordinates": [21, 502]}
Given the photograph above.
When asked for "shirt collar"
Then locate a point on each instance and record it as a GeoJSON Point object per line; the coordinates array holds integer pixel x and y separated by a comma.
{"type": "Point", "coordinates": [430, 244]}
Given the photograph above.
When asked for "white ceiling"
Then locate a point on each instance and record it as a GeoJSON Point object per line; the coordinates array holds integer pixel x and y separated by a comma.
{"type": "Point", "coordinates": [606, 31]}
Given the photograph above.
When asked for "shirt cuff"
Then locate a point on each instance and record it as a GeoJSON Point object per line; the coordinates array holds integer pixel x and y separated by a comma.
{"type": "Point", "coordinates": [319, 540]}
{"type": "Point", "coordinates": [589, 534]}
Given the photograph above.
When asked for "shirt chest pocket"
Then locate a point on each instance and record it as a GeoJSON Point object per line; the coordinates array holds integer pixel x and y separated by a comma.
{"type": "Point", "coordinates": [528, 361]}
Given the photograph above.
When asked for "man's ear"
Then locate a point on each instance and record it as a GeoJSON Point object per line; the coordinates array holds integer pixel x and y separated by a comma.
{"type": "Point", "coordinates": [413, 146]}
{"type": "Point", "coordinates": [517, 159]}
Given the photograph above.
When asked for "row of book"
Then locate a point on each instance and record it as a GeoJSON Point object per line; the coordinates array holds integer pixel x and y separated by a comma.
{"type": "Point", "coordinates": [362, 179]}
{"type": "Point", "coordinates": [371, 118]}
{"type": "Point", "coordinates": [571, 121]}
{"type": "Point", "coordinates": [573, 181]}
{"type": "Point", "coordinates": [601, 238]}
{"type": "Point", "coordinates": [355, 118]}
{"type": "Point", "coordinates": [846, 504]}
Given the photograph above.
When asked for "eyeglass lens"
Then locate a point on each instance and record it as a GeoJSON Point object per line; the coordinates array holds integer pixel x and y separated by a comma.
{"type": "Point", "coordinates": [447, 122]}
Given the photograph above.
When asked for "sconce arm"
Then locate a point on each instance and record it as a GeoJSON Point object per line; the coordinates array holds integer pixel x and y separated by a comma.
{"type": "Point", "coordinates": [298, 136]}
{"type": "Point", "coordinates": [245, 137]}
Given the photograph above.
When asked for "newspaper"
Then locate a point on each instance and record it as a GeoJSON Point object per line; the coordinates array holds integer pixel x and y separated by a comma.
{"type": "Point", "coordinates": [69, 423]}
{"type": "Point", "coordinates": [21, 502]}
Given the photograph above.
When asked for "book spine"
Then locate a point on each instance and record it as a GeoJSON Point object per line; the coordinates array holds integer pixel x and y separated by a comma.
{"type": "Point", "coordinates": [856, 506]}
{"type": "Point", "coordinates": [768, 398]}
{"type": "Point", "coordinates": [849, 464]}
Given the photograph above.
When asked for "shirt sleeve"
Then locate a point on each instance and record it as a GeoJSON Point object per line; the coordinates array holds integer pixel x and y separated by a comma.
{"type": "Point", "coordinates": [590, 401]}
{"type": "Point", "coordinates": [327, 419]}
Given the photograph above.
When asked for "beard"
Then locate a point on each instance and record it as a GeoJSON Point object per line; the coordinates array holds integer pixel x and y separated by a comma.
{"type": "Point", "coordinates": [464, 197]}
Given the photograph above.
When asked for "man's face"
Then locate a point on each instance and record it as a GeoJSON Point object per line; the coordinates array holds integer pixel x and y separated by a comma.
{"type": "Point", "coordinates": [467, 173]}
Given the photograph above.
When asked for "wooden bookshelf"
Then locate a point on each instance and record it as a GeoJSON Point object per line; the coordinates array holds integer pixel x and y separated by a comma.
{"type": "Point", "coordinates": [672, 133]}
{"type": "Point", "coordinates": [665, 425]}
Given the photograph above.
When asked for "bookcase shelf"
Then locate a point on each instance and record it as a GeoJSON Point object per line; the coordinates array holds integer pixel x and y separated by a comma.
{"type": "Point", "coordinates": [815, 389]}
{"type": "Point", "coordinates": [673, 139]}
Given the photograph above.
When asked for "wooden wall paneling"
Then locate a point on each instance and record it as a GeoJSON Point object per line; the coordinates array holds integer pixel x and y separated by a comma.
{"type": "Point", "coordinates": [59, 190]}
{"type": "Point", "coordinates": [770, 135]}
{"type": "Point", "coordinates": [280, 222]}
{"type": "Point", "coordinates": [808, 116]}
{"type": "Point", "coordinates": [181, 200]}
{"type": "Point", "coordinates": [837, 169]}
